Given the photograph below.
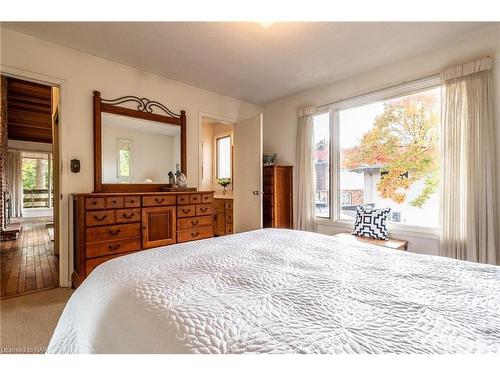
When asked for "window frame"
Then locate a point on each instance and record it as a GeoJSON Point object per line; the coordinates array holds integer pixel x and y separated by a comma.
{"type": "Point", "coordinates": [388, 93]}
{"type": "Point", "coordinates": [322, 111]}
{"type": "Point", "coordinates": [218, 137]}
{"type": "Point", "coordinates": [130, 143]}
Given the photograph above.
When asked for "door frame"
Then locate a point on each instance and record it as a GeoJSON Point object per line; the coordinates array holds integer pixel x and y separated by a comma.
{"type": "Point", "coordinates": [61, 211]}
{"type": "Point", "coordinates": [201, 116]}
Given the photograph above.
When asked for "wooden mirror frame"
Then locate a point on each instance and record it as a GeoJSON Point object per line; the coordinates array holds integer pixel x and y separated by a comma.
{"type": "Point", "coordinates": [144, 111]}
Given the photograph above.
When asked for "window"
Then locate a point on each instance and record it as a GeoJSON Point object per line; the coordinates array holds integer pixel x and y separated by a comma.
{"type": "Point", "coordinates": [223, 149]}
{"type": "Point", "coordinates": [387, 155]}
{"type": "Point", "coordinates": [124, 151]}
{"type": "Point", "coordinates": [322, 163]}
{"type": "Point", "coordinates": [37, 179]}
{"type": "Point", "coordinates": [346, 199]}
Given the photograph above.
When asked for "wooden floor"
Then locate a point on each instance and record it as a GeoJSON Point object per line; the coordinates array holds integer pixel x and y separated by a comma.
{"type": "Point", "coordinates": [28, 264]}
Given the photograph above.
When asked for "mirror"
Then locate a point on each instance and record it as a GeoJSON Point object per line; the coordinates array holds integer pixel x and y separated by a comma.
{"type": "Point", "coordinates": [138, 151]}
{"type": "Point", "coordinates": [137, 142]}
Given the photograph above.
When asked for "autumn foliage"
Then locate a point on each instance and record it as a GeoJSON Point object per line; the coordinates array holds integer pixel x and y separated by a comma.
{"type": "Point", "coordinates": [404, 144]}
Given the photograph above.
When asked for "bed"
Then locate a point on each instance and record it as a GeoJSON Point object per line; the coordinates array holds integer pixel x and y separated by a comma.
{"type": "Point", "coordinates": [282, 291]}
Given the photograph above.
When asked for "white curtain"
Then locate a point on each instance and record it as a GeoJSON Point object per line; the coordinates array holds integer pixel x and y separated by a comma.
{"type": "Point", "coordinates": [468, 186]}
{"type": "Point", "coordinates": [306, 217]}
{"type": "Point", "coordinates": [15, 179]}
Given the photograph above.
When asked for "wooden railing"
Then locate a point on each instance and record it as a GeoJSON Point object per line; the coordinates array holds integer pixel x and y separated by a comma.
{"type": "Point", "coordinates": [37, 198]}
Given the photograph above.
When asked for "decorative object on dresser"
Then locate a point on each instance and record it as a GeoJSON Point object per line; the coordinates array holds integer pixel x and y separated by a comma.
{"type": "Point", "coordinates": [269, 159]}
{"type": "Point", "coordinates": [223, 216]}
{"type": "Point", "coordinates": [107, 225]}
{"type": "Point", "coordinates": [224, 182]}
{"type": "Point", "coordinates": [278, 196]}
{"type": "Point", "coordinates": [392, 243]}
{"type": "Point", "coordinates": [134, 149]}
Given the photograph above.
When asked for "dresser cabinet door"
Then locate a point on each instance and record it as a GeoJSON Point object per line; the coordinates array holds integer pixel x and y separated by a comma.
{"type": "Point", "coordinates": [158, 226]}
{"type": "Point", "coordinates": [219, 218]}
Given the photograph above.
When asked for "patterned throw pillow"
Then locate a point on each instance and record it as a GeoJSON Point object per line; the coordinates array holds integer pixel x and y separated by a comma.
{"type": "Point", "coordinates": [371, 222]}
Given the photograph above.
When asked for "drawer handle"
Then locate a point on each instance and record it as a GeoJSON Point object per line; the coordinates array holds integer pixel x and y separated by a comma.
{"type": "Point", "coordinates": [114, 202]}
{"type": "Point", "coordinates": [114, 232]}
{"type": "Point", "coordinates": [203, 209]}
{"type": "Point", "coordinates": [129, 216]}
{"type": "Point", "coordinates": [186, 210]}
{"type": "Point", "coordinates": [195, 234]}
{"type": "Point", "coordinates": [132, 201]}
{"type": "Point", "coordinates": [113, 247]}
{"type": "Point", "coordinates": [158, 200]}
{"type": "Point", "coordinates": [194, 222]}
{"type": "Point", "coordinates": [94, 202]}
{"type": "Point", "coordinates": [99, 218]}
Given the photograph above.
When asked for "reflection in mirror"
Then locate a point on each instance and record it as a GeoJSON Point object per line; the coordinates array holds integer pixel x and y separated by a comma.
{"type": "Point", "coordinates": [138, 151]}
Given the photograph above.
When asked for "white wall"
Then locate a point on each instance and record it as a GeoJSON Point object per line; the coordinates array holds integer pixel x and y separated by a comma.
{"type": "Point", "coordinates": [280, 117]}
{"type": "Point", "coordinates": [79, 74]}
{"type": "Point", "coordinates": [207, 131]}
{"type": "Point", "coordinates": [152, 155]}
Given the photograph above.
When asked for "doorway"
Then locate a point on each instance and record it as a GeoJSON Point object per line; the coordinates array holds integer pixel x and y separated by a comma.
{"type": "Point", "coordinates": [231, 153]}
{"type": "Point", "coordinates": [216, 142]}
{"type": "Point", "coordinates": [217, 156]}
{"type": "Point", "coordinates": [29, 182]}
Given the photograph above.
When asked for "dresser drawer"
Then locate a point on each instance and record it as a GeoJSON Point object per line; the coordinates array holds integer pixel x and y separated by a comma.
{"type": "Point", "coordinates": [94, 218]}
{"type": "Point", "coordinates": [228, 205]}
{"type": "Point", "coordinates": [97, 249]}
{"type": "Point", "coordinates": [229, 216]}
{"type": "Point", "coordinates": [114, 202]}
{"type": "Point", "coordinates": [95, 203]}
{"type": "Point", "coordinates": [195, 198]}
{"type": "Point", "coordinates": [229, 228]}
{"type": "Point", "coordinates": [195, 222]}
{"type": "Point", "coordinates": [268, 189]}
{"type": "Point", "coordinates": [268, 180]}
{"type": "Point", "coordinates": [112, 232]}
{"type": "Point", "coordinates": [186, 211]}
{"type": "Point", "coordinates": [207, 198]}
{"type": "Point", "coordinates": [132, 202]}
{"type": "Point", "coordinates": [268, 200]}
{"type": "Point", "coordinates": [268, 171]}
{"type": "Point", "coordinates": [94, 262]}
{"type": "Point", "coordinates": [183, 199]}
{"type": "Point", "coordinates": [194, 234]}
{"type": "Point", "coordinates": [158, 200]}
{"type": "Point", "coordinates": [204, 209]}
{"type": "Point", "coordinates": [128, 215]}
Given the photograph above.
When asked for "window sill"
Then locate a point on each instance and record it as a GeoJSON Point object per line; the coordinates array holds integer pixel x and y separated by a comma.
{"type": "Point", "coordinates": [396, 229]}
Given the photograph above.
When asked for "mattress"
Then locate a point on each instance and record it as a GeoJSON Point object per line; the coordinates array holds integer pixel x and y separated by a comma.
{"type": "Point", "coordinates": [282, 291]}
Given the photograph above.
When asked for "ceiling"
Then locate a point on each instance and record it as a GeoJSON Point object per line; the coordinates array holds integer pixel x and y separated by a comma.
{"type": "Point", "coordinates": [247, 61]}
{"type": "Point", "coordinates": [29, 111]}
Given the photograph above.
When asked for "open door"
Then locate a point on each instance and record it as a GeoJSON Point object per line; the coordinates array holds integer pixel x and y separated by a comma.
{"type": "Point", "coordinates": [247, 175]}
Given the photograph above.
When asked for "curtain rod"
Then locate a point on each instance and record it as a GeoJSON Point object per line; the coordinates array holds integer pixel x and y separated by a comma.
{"type": "Point", "coordinates": [378, 90]}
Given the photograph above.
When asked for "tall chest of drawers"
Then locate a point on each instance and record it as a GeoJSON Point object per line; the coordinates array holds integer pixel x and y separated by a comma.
{"type": "Point", "coordinates": [277, 202]}
{"type": "Point", "coordinates": [109, 225]}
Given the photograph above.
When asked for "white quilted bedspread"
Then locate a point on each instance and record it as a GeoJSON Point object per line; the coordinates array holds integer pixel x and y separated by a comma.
{"type": "Point", "coordinates": [282, 291]}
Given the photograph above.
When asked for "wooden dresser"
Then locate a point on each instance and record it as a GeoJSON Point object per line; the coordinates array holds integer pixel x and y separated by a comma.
{"type": "Point", "coordinates": [278, 196]}
{"type": "Point", "coordinates": [107, 225]}
{"type": "Point", "coordinates": [223, 216]}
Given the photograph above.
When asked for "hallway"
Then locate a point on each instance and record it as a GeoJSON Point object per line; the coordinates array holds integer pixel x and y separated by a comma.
{"type": "Point", "coordinates": [28, 264]}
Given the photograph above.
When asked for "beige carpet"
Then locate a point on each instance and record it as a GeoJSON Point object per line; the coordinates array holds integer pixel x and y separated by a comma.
{"type": "Point", "coordinates": [27, 322]}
